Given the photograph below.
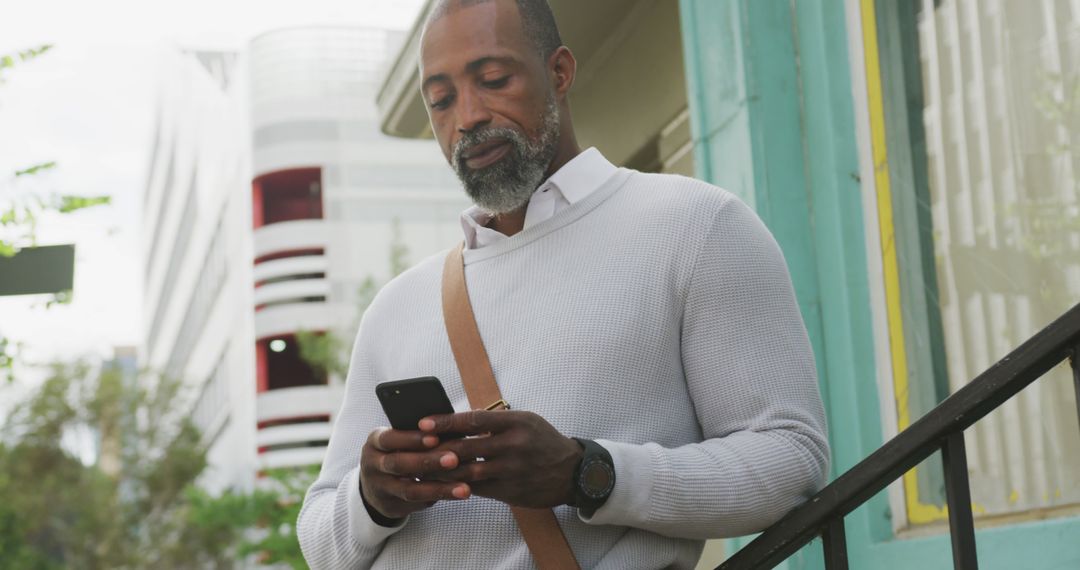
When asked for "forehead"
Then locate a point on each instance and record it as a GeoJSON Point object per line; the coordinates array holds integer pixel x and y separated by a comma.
{"type": "Point", "coordinates": [469, 33]}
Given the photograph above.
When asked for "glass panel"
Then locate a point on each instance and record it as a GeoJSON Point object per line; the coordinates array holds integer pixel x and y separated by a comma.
{"type": "Point", "coordinates": [288, 195]}
{"type": "Point", "coordinates": [1001, 97]}
{"type": "Point", "coordinates": [285, 367]}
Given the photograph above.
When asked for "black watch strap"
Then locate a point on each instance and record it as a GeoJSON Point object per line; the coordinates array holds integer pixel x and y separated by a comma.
{"type": "Point", "coordinates": [594, 479]}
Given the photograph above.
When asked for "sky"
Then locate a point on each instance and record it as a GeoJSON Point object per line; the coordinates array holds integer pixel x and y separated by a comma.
{"type": "Point", "coordinates": [88, 105]}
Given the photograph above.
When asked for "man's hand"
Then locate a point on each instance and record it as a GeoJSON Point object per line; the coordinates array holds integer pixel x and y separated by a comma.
{"type": "Point", "coordinates": [391, 463]}
{"type": "Point", "coordinates": [526, 462]}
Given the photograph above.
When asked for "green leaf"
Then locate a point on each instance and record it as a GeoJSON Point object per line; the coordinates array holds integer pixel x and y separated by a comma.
{"type": "Point", "coordinates": [70, 203]}
{"type": "Point", "coordinates": [27, 55]}
{"type": "Point", "coordinates": [24, 55]}
{"type": "Point", "coordinates": [35, 169]}
{"type": "Point", "coordinates": [9, 60]}
{"type": "Point", "coordinates": [324, 352]}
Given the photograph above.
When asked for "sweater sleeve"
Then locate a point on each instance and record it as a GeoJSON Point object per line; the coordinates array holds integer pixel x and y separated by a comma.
{"type": "Point", "coordinates": [750, 372]}
{"type": "Point", "coordinates": [334, 528]}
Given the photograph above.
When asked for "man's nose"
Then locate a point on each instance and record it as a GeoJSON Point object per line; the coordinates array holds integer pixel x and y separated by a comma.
{"type": "Point", "coordinates": [472, 112]}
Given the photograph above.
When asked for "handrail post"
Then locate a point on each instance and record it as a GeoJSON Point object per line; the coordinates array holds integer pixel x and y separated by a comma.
{"type": "Point", "coordinates": [958, 496]}
{"type": "Point", "coordinates": [834, 540]}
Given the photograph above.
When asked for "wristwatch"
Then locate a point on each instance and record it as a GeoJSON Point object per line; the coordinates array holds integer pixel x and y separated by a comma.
{"type": "Point", "coordinates": [594, 478]}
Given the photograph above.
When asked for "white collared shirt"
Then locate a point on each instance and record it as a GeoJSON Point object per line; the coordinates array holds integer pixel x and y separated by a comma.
{"type": "Point", "coordinates": [570, 184]}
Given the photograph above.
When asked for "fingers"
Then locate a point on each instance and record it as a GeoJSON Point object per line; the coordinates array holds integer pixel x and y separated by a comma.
{"type": "Point", "coordinates": [475, 471]}
{"type": "Point", "coordinates": [474, 422]}
{"type": "Point", "coordinates": [411, 491]}
{"type": "Point", "coordinates": [398, 497]}
{"type": "Point", "coordinates": [391, 462]}
{"type": "Point", "coordinates": [486, 446]}
{"type": "Point", "coordinates": [411, 464]}
{"type": "Point", "coordinates": [406, 454]}
{"type": "Point", "coordinates": [385, 439]}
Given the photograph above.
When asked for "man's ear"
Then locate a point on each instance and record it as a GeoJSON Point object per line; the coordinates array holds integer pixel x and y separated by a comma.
{"type": "Point", "coordinates": [563, 68]}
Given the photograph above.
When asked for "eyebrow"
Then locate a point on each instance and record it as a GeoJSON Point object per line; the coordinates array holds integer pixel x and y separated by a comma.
{"type": "Point", "coordinates": [470, 67]}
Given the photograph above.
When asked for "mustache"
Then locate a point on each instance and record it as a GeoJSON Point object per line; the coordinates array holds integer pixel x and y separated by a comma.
{"type": "Point", "coordinates": [474, 138]}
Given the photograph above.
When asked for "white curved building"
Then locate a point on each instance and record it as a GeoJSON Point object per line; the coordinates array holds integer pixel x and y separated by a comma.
{"type": "Point", "coordinates": [321, 200]}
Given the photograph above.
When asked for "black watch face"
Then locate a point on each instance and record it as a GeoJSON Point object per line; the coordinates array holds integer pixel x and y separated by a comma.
{"type": "Point", "coordinates": [597, 478]}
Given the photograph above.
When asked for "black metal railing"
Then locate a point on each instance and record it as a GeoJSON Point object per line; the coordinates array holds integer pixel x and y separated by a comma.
{"type": "Point", "coordinates": [942, 428]}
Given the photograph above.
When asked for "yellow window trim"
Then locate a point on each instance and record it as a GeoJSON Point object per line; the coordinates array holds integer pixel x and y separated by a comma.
{"type": "Point", "coordinates": [918, 512]}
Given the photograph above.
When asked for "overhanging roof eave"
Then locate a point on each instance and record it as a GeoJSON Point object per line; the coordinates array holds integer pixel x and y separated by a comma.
{"type": "Point", "coordinates": [400, 107]}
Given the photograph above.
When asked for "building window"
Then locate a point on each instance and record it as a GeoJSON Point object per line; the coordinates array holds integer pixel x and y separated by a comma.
{"type": "Point", "coordinates": [280, 365]}
{"type": "Point", "coordinates": [287, 195]}
{"type": "Point", "coordinates": [981, 248]}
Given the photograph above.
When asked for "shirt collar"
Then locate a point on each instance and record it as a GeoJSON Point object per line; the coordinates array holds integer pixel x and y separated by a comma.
{"type": "Point", "coordinates": [473, 221]}
{"type": "Point", "coordinates": [581, 175]}
{"type": "Point", "coordinates": [574, 181]}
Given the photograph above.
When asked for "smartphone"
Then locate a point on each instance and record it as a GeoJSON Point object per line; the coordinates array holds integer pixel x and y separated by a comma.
{"type": "Point", "coordinates": [406, 402]}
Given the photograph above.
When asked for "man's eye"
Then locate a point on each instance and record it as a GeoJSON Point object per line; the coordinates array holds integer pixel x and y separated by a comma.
{"type": "Point", "coordinates": [497, 83]}
{"type": "Point", "coordinates": [441, 103]}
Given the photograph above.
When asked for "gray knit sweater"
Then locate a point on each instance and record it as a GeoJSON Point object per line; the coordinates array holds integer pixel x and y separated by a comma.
{"type": "Point", "coordinates": [656, 316]}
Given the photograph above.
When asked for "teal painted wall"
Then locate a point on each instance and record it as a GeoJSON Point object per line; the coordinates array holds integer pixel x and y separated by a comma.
{"type": "Point", "coordinates": [754, 68]}
{"type": "Point", "coordinates": [772, 121]}
{"type": "Point", "coordinates": [772, 116]}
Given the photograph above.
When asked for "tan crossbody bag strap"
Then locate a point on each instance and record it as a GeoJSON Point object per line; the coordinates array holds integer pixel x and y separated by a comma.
{"type": "Point", "coordinates": [539, 527]}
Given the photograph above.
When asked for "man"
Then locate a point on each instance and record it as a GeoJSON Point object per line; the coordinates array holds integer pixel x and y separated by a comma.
{"type": "Point", "coordinates": [650, 316]}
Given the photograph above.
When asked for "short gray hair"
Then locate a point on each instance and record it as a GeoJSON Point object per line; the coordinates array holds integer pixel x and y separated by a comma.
{"type": "Point", "coordinates": [537, 21]}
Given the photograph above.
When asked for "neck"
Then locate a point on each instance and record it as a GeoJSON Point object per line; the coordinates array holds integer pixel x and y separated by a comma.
{"type": "Point", "coordinates": [511, 223]}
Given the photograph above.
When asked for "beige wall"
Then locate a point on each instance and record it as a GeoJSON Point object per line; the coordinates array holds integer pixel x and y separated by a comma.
{"type": "Point", "coordinates": [631, 85]}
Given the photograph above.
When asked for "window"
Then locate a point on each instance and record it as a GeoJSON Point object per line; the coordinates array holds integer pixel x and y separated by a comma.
{"type": "Point", "coordinates": [982, 113]}
{"type": "Point", "coordinates": [280, 365]}
{"type": "Point", "coordinates": [287, 195]}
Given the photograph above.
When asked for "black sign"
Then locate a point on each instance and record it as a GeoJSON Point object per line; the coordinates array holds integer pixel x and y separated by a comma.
{"type": "Point", "coordinates": [35, 270]}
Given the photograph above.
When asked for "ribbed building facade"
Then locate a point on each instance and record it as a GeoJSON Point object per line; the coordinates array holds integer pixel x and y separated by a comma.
{"type": "Point", "coordinates": [197, 294]}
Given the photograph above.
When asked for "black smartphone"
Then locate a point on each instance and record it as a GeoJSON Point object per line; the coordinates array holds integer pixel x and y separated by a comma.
{"type": "Point", "coordinates": [406, 402]}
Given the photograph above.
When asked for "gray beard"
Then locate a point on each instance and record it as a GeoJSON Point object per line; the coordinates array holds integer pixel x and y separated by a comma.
{"type": "Point", "coordinates": [508, 184]}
